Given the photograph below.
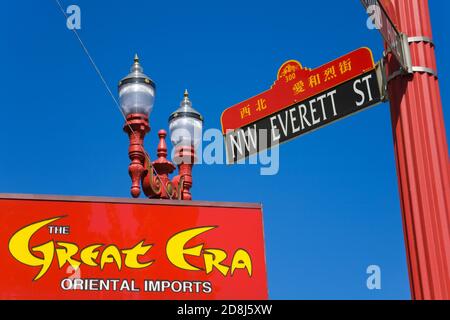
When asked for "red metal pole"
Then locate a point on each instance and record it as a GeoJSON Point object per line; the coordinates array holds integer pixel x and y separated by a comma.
{"type": "Point", "coordinates": [137, 127]}
{"type": "Point", "coordinates": [422, 158]}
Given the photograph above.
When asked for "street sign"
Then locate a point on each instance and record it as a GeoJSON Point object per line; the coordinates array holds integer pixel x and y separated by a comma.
{"type": "Point", "coordinates": [305, 116]}
{"type": "Point", "coordinates": [295, 83]}
{"type": "Point", "coordinates": [102, 248]}
{"type": "Point", "coordinates": [396, 41]}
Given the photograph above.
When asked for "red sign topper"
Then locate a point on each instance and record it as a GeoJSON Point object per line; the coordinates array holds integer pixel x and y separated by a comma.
{"type": "Point", "coordinates": [92, 248]}
{"type": "Point", "coordinates": [295, 83]}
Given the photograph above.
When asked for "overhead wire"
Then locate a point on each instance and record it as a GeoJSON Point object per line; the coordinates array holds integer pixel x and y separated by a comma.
{"type": "Point", "coordinates": [99, 73]}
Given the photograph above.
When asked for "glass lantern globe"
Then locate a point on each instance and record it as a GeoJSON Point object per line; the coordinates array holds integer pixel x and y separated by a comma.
{"type": "Point", "coordinates": [136, 91]}
{"type": "Point", "coordinates": [186, 125]}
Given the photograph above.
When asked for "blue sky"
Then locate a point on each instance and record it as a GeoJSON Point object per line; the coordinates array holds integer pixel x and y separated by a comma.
{"type": "Point", "coordinates": [333, 208]}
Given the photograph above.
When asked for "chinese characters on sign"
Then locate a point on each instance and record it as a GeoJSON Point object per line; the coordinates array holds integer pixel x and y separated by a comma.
{"type": "Point", "coordinates": [295, 83]}
{"type": "Point", "coordinates": [301, 100]}
{"type": "Point", "coordinates": [246, 110]}
{"type": "Point", "coordinates": [348, 98]}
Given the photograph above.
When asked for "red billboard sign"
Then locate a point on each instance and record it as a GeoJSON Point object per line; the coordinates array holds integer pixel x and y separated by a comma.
{"type": "Point", "coordinates": [101, 248]}
{"type": "Point", "coordinates": [295, 83]}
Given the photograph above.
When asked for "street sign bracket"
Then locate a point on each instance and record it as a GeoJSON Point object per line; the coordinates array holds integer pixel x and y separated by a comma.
{"type": "Point", "coordinates": [414, 69]}
{"type": "Point", "coordinates": [397, 42]}
{"type": "Point", "coordinates": [421, 39]}
{"type": "Point", "coordinates": [404, 40]}
{"type": "Point", "coordinates": [420, 69]}
{"type": "Point", "coordinates": [382, 80]}
{"type": "Point", "coordinates": [395, 74]}
{"type": "Point", "coordinates": [406, 53]}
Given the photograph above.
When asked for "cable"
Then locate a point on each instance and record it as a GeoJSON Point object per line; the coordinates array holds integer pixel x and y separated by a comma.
{"type": "Point", "coordinates": [97, 70]}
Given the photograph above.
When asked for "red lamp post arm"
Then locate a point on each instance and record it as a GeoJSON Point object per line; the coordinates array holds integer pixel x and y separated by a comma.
{"type": "Point", "coordinates": [137, 127]}
{"type": "Point", "coordinates": [151, 184]}
{"type": "Point", "coordinates": [159, 186]}
{"type": "Point", "coordinates": [185, 158]}
{"type": "Point", "coordinates": [141, 170]}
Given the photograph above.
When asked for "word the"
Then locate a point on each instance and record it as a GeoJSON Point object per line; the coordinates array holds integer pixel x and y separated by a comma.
{"type": "Point", "coordinates": [58, 229]}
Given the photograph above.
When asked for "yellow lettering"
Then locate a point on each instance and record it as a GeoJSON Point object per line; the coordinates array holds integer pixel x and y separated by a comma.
{"type": "Point", "coordinates": [175, 248]}
{"type": "Point", "coordinates": [109, 255]}
{"type": "Point", "coordinates": [131, 258]}
{"type": "Point", "coordinates": [66, 254]}
{"type": "Point", "coordinates": [241, 260]}
{"type": "Point", "coordinates": [89, 254]}
{"type": "Point", "coordinates": [213, 258]}
{"type": "Point", "coordinates": [19, 247]}
{"type": "Point", "coordinates": [47, 249]}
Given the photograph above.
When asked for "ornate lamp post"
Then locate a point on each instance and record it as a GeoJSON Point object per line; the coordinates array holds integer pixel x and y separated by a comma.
{"type": "Point", "coordinates": [137, 95]}
{"type": "Point", "coordinates": [185, 126]}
